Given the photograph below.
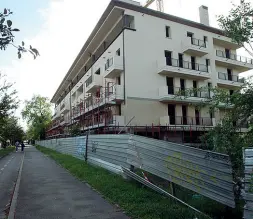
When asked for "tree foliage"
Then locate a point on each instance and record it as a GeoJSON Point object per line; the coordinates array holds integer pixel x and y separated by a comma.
{"type": "Point", "coordinates": [7, 35]}
{"type": "Point", "coordinates": [8, 99]}
{"type": "Point", "coordinates": [9, 127]}
{"type": "Point", "coordinates": [11, 130]}
{"type": "Point", "coordinates": [238, 25]}
{"type": "Point", "coordinates": [37, 113]}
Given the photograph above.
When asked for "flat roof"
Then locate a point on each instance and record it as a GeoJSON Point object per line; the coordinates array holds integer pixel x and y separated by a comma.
{"type": "Point", "coordinates": [141, 9]}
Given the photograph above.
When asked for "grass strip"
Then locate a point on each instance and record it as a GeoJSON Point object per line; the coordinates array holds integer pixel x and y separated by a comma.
{"type": "Point", "coordinates": [136, 201]}
{"type": "Point", "coordinates": [6, 151]}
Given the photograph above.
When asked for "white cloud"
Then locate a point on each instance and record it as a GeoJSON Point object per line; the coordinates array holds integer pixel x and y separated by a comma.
{"type": "Point", "coordinates": [67, 25]}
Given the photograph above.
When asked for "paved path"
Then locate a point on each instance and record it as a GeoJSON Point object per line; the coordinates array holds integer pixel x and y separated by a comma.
{"type": "Point", "coordinates": [47, 191]}
{"type": "Point", "coordinates": [9, 167]}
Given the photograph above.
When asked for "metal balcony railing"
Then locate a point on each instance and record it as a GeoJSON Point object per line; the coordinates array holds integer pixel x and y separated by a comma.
{"type": "Point", "coordinates": [188, 92]}
{"type": "Point", "coordinates": [185, 120]}
{"type": "Point", "coordinates": [235, 57]}
{"type": "Point", "coordinates": [108, 63]}
{"type": "Point", "coordinates": [198, 42]}
{"type": "Point", "coordinates": [62, 106]}
{"type": "Point", "coordinates": [186, 65]}
{"type": "Point", "coordinates": [228, 77]}
{"type": "Point", "coordinates": [89, 81]}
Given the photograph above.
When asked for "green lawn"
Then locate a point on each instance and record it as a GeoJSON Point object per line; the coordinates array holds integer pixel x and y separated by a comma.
{"type": "Point", "coordinates": [137, 201]}
{"type": "Point", "coordinates": [6, 151]}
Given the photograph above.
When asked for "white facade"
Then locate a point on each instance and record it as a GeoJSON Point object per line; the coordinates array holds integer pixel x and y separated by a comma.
{"type": "Point", "coordinates": [131, 75]}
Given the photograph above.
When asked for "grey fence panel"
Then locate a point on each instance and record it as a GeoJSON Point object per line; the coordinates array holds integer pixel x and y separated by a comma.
{"type": "Point", "coordinates": [109, 148]}
{"type": "Point", "coordinates": [75, 146]}
{"type": "Point", "coordinates": [248, 197]}
{"type": "Point", "coordinates": [207, 173]}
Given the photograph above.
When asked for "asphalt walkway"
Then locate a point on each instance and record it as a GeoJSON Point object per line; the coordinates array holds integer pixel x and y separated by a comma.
{"type": "Point", "coordinates": [9, 167]}
{"type": "Point", "coordinates": [47, 191]}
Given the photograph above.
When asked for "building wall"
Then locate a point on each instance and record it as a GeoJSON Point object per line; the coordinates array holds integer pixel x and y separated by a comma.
{"type": "Point", "coordinates": [144, 55]}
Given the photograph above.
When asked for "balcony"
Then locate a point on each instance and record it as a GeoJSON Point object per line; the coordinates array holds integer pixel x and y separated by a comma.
{"type": "Point", "coordinates": [113, 95]}
{"type": "Point", "coordinates": [225, 42]}
{"type": "Point", "coordinates": [187, 121]}
{"type": "Point", "coordinates": [116, 121]}
{"type": "Point", "coordinates": [180, 68]}
{"type": "Point", "coordinates": [177, 94]}
{"type": "Point", "coordinates": [195, 47]}
{"type": "Point", "coordinates": [226, 80]}
{"type": "Point", "coordinates": [230, 60]}
{"type": "Point", "coordinates": [100, 121]}
{"type": "Point", "coordinates": [93, 83]}
{"type": "Point", "coordinates": [114, 67]}
{"type": "Point", "coordinates": [62, 121]}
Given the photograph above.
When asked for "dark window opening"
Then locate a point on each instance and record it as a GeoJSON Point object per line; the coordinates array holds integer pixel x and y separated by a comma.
{"type": "Point", "coordinates": [118, 52]}
{"type": "Point", "coordinates": [167, 29]}
{"type": "Point", "coordinates": [172, 114]}
{"type": "Point", "coordinates": [182, 84]}
{"type": "Point", "coordinates": [119, 110]}
{"type": "Point", "coordinates": [207, 62]}
{"type": "Point", "coordinates": [229, 71]}
{"type": "Point", "coordinates": [170, 85]}
{"type": "Point", "coordinates": [189, 34]}
{"type": "Point", "coordinates": [209, 89]}
{"type": "Point", "coordinates": [197, 116]}
{"type": "Point", "coordinates": [184, 112]}
{"type": "Point", "coordinates": [193, 62]}
{"type": "Point", "coordinates": [97, 72]}
{"type": "Point", "coordinates": [227, 53]}
{"type": "Point", "coordinates": [231, 92]}
{"type": "Point", "coordinates": [180, 60]}
{"type": "Point", "coordinates": [168, 56]}
{"type": "Point", "coordinates": [118, 81]}
{"type": "Point", "coordinates": [195, 88]}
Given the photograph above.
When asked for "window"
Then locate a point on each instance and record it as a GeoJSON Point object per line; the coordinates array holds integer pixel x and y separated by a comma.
{"type": "Point", "coordinates": [118, 81]}
{"type": "Point", "coordinates": [97, 72]}
{"type": "Point", "coordinates": [85, 68]}
{"type": "Point", "coordinates": [167, 29]}
{"type": "Point", "coordinates": [207, 62]}
{"type": "Point", "coordinates": [231, 92]}
{"type": "Point", "coordinates": [118, 52]}
{"type": "Point", "coordinates": [205, 39]}
{"type": "Point", "coordinates": [189, 34]}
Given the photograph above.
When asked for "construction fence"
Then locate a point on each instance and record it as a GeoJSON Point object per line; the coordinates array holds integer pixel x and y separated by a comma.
{"type": "Point", "coordinates": [248, 196]}
{"type": "Point", "coordinates": [204, 172]}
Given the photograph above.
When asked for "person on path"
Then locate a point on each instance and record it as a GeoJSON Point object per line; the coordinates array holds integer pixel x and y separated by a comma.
{"type": "Point", "coordinates": [17, 144]}
{"type": "Point", "coordinates": [22, 146]}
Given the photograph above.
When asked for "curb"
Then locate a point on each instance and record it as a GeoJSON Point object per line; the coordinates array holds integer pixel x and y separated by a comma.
{"type": "Point", "coordinates": [16, 190]}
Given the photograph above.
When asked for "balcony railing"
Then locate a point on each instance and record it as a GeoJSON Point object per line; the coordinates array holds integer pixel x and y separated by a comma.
{"type": "Point", "coordinates": [185, 120]}
{"type": "Point", "coordinates": [186, 65]}
{"type": "Point", "coordinates": [89, 81]}
{"type": "Point", "coordinates": [108, 63]}
{"type": "Point", "coordinates": [235, 57]}
{"type": "Point", "coordinates": [188, 92]}
{"type": "Point", "coordinates": [62, 106]}
{"type": "Point", "coordinates": [198, 42]}
{"type": "Point", "coordinates": [228, 77]}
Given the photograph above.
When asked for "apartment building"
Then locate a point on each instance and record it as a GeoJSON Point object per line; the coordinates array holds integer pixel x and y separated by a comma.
{"type": "Point", "coordinates": [135, 65]}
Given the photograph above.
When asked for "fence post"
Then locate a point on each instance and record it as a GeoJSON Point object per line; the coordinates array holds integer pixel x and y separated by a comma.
{"type": "Point", "coordinates": [86, 148]}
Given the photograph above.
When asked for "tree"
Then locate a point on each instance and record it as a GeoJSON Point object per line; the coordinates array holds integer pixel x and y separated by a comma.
{"type": "Point", "coordinates": [7, 35]}
{"type": "Point", "coordinates": [238, 25]}
{"type": "Point", "coordinates": [37, 113]}
{"type": "Point", "coordinates": [11, 130]}
{"type": "Point", "coordinates": [8, 99]}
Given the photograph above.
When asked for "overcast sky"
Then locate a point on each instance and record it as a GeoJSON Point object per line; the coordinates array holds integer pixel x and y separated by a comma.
{"type": "Point", "coordinates": [59, 28]}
